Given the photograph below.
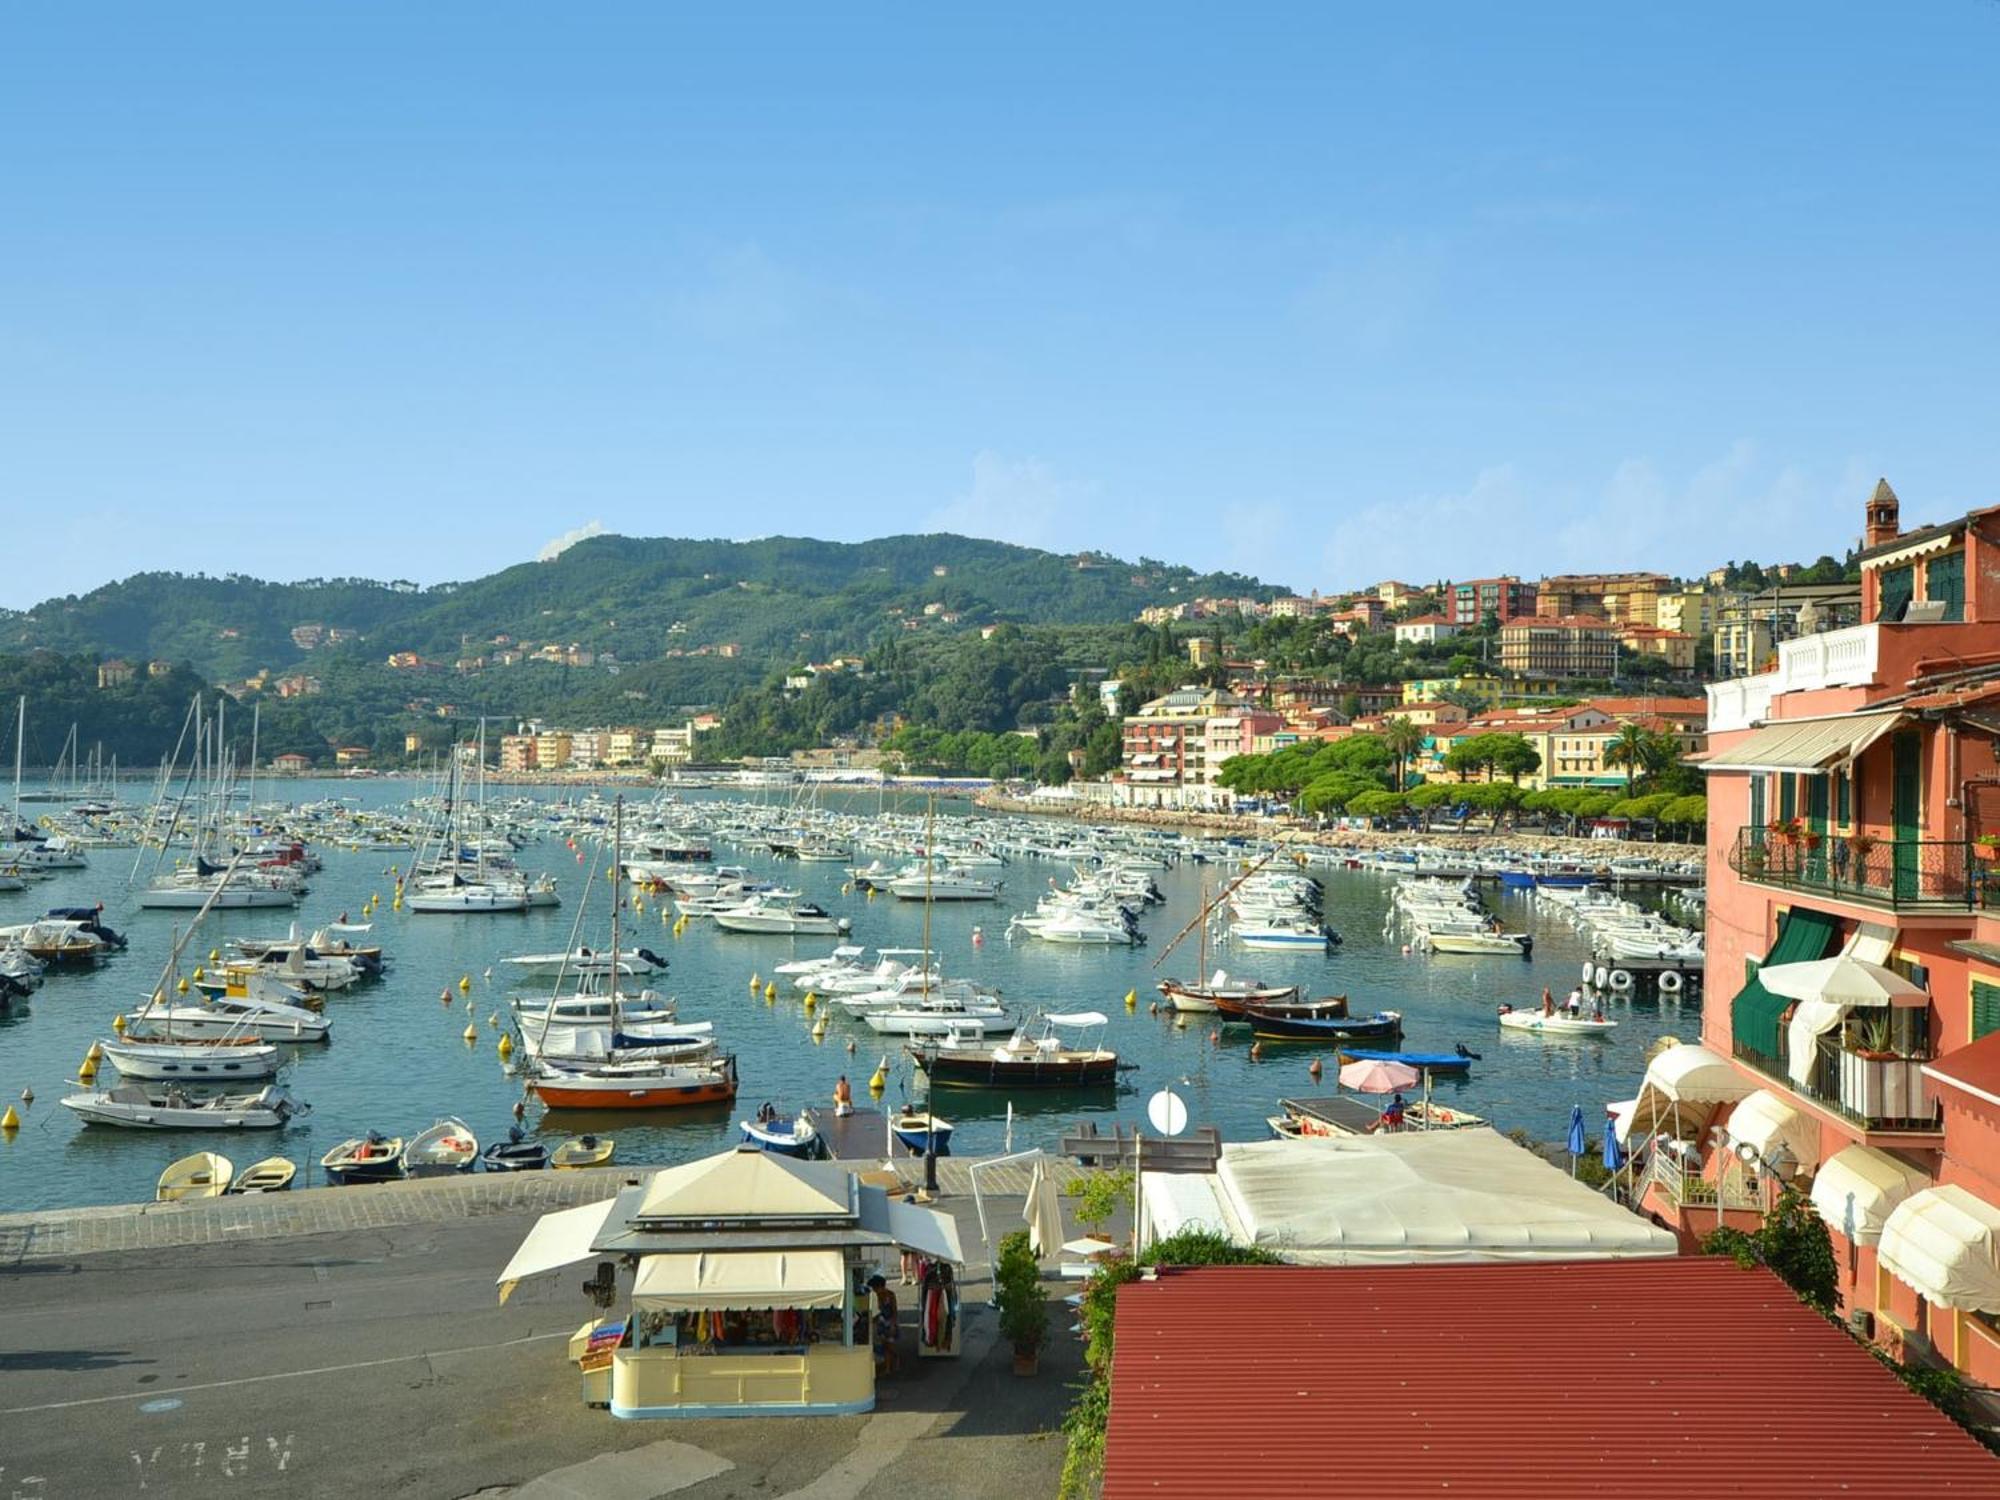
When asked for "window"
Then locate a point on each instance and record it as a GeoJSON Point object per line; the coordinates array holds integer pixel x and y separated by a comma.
{"type": "Point", "coordinates": [1898, 586]}
{"type": "Point", "coordinates": [1944, 582]}
{"type": "Point", "coordinates": [1843, 785]}
{"type": "Point", "coordinates": [1985, 1007]}
{"type": "Point", "coordinates": [1756, 801]}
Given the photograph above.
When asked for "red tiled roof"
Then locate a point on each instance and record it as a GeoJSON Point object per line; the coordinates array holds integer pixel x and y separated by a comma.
{"type": "Point", "coordinates": [1651, 1377]}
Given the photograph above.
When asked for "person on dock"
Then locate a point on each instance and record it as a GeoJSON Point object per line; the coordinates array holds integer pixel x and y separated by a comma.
{"type": "Point", "coordinates": [843, 1097]}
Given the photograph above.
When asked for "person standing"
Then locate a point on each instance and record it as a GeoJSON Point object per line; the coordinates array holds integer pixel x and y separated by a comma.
{"type": "Point", "coordinates": [885, 1323]}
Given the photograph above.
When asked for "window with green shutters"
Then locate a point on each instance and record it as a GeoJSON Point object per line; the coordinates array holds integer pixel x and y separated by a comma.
{"type": "Point", "coordinates": [1944, 583]}
{"type": "Point", "coordinates": [1843, 786]}
{"type": "Point", "coordinates": [1756, 800]}
{"type": "Point", "coordinates": [1899, 586]}
{"type": "Point", "coordinates": [1985, 1008]}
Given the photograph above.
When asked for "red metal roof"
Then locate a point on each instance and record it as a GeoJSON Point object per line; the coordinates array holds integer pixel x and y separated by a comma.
{"type": "Point", "coordinates": [1973, 1069]}
{"type": "Point", "coordinates": [1649, 1377]}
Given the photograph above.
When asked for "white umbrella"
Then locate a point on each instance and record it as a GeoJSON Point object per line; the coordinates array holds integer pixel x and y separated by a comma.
{"type": "Point", "coordinates": [1841, 981]}
{"type": "Point", "coordinates": [1043, 1213]}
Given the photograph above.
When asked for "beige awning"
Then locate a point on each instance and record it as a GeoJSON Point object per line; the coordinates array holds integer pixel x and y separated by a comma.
{"type": "Point", "coordinates": [1856, 1189]}
{"type": "Point", "coordinates": [1764, 1122]}
{"type": "Point", "coordinates": [1945, 1243]}
{"type": "Point", "coordinates": [925, 1231]}
{"type": "Point", "coordinates": [1804, 744]}
{"type": "Point", "coordinates": [1682, 1085]}
{"type": "Point", "coordinates": [557, 1240]}
{"type": "Point", "coordinates": [740, 1280]}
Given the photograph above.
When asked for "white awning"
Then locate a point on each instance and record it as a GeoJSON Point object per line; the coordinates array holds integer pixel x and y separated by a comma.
{"type": "Point", "coordinates": [557, 1240]}
{"type": "Point", "coordinates": [1078, 1018]}
{"type": "Point", "coordinates": [1681, 1086]}
{"type": "Point", "coordinates": [1804, 744]}
{"type": "Point", "coordinates": [1945, 1243]}
{"type": "Point", "coordinates": [1857, 1188]}
{"type": "Point", "coordinates": [739, 1280]}
{"type": "Point", "coordinates": [925, 1231]}
{"type": "Point", "coordinates": [1764, 1122]}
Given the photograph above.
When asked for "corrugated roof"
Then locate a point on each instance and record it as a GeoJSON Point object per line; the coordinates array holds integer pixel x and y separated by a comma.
{"type": "Point", "coordinates": [1555, 1380]}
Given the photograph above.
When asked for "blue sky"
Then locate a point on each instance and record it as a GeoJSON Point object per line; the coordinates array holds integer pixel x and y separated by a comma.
{"type": "Point", "coordinates": [1327, 293]}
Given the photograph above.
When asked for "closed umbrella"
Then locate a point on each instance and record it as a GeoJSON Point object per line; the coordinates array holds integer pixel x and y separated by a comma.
{"type": "Point", "coordinates": [1614, 1149]}
{"type": "Point", "coordinates": [1575, 1136]}
{"type": "Point", "coordinates": [1372, 1076]}
{"type": "Point", "coordinates": [1043, 1213]}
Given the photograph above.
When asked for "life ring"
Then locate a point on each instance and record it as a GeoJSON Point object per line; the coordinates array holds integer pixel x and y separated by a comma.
{"type": "Point", "coordinates": [1620, 980]}
{"type": "Point", "coordinates": [1670, 982]}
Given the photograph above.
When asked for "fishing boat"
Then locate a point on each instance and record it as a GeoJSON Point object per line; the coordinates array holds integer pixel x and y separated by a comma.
{"type": "Point", "coordinates": [584, 1151]}
{"type": "Point", "coordinates": [205, 1174]}
{"type": "Point", "coordinates": [1037, 1057]}
{"type": "Point", "coordinates": [772, 1131]}
{"type": "Point", "coordinates": [1556, 1024]}
{"type": "Point", "coordinates": [271, 1175]}
{"type": "Point", "coordinates": [373, 1157]}
{"type": "Point", "coordinates": [447, 1147]}
{"type": "Point", "coordinates": [918, 1131]}
{"type": "Point", "coordinates": [219, 1060]}
{"type": "Point", "coordinates": [139, 1106]}
{"type": "Point", "coordinates": [515, 1154]}
{"type": "Point", "coordinates": [1438, 1063]}
{"type": "Point", "coordinates": [1208, 998]}
{"type": "Point", "coordinates": [1290, 1025]}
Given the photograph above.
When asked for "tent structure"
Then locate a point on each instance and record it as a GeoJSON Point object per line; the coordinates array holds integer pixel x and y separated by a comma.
{"type": "Point", "coordinates": [1450, 1195]}
{"type": "Point", "coordinates": [700, 1281]}
{"type": "Point", "coordinates": [1683, 1085]}
{"type": "Point", "coordinates": [559, 1239]}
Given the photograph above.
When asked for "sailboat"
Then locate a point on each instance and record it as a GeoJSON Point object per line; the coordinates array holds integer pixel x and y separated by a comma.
{"type": "Point", "coordinates": [448, 888]}
{"type": "Point", "coordinates": [1219, 990]}
{"type": "Point", "coordinates": [25, 851]}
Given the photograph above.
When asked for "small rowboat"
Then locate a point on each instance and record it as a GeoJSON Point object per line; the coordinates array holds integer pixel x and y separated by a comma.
{"type": "Point", "coordinates": [515, 1154]}
{"type": "Point", "coordinates": [271, 1175]}
{"type": "Point", "coordinates": [585, 1151]}
{"type": "Point", "coordinates": [917, 1131]}
{"type": "Point", "coordinates": [448, 1146]}
{"type": "Point", "coordinates": [373, 1157]}
{"type": "Point", "coordinates": [1280, 1026]}
{"type": "Point", "coordinates": [774, 1133]}
{"type": "Point", "coordinates": [1555, 1025]}
{"type": "Point", "coordinates": [205, 1174]}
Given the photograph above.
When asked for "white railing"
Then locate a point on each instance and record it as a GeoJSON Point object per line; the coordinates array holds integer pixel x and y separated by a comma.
{"type": "Point", "coordinates": [1741, 702]}
{"type": "Point", "coordinates": [1834, 658]}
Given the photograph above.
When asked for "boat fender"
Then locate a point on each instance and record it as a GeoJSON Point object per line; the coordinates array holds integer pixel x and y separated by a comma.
{"type": "Point", "coordinates": [1670, 983]}
{"type": "Point", "coordinates": [1620, 980]}
{"type": "Point", "coordinates": [1586, 971]}
{"type": "Point", "coordinates": [1603, 976]}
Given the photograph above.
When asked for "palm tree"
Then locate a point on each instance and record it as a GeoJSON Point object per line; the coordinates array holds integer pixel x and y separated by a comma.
{"type": "Point", "coordinates": [1404, 739]}
{"type": "Point", "coordinates": [1634, 749]}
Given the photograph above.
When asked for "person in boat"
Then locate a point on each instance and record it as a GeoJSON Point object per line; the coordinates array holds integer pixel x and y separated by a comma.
{"type": "Point", "coordinates": [1597, 1009]}
{"type": "Point", "coordinates": [1506, 1009]}
{"type": "Point", "coordinates": [1574, 1004]}
{"type": "Point", "coordinates": [1548, 1001]}
{"type": "Point", "coordinates": [885, 1323]}
{"type": "Point", "coordinates": [843, 1097]}
{"type": "Point", "coordinates": [766, 1113]}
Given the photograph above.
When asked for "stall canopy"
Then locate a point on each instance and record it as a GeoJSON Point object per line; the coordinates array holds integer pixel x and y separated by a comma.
{"type": "Point", "coordinates": [557, 1240]}
{"type": "Point", "coordinates": [1856, 1189]}
{"type": "Point", "coordinates": [1805, 745]}
{"type": "Point", "coordinates": [1945, 1243]}
{"type": "Point", "coordinates": [749, 1185]}
{"type": "Point", "coordinates": [925, 1231]}
{"type": "Point", "coordinates": [1681, 1086]}
{"type": "Point", "coordinates": [1753, 1015]}
{"type": "Point", "coordinates": [1764, 1122]}
{"type": "Point", "coordinates": [740, 1280]}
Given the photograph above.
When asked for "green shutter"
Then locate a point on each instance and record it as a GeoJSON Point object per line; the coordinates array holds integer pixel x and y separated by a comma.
{"type": "Point", "coordinates": [1985, 1008]}
{"type": "Point", "coordinates": [1756, 799]}
{"type": "Point", "coordinates": [1788, 797]}
{"type": "Point", "coordinates": [1944, 583]}
{"type": "Point", "coordinates": [1899, 585]}
{"type": "Point", "coordinates": [1843, 804]}
{"type": "Point", "coordinates": [1755, 1013]}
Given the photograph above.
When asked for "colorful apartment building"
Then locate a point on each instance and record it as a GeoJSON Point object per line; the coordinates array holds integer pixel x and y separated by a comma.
{"type": "Point", "coordinates": [1571, 646]}
{"type": "Point", "coordinates": [1472, 602]}
{"type": "Point", "coordinates": [1674, 647]}
{"type": "Point", "coordinates": [1166, 761]}
{"type": "Point", "coordinates": [1849, 790]}
{"type": "Point", "coordinates": [1628, 598]}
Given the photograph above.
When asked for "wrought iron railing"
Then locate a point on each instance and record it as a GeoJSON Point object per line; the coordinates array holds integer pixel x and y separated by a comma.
{"type": "Point", "coordinates": [1876, 1089]}
{"type": "Point", "coordinates": [1884, 872]}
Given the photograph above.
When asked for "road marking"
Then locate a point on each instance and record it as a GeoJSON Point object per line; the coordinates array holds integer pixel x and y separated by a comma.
{"type": "Point", "coordinates": [218, 1385]}
{"type": "Point", "coordinates": [165, 1403]}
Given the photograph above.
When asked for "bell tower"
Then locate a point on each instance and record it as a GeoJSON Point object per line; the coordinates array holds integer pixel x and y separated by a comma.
{"type": "Point", "coordinates": [1884, 516]}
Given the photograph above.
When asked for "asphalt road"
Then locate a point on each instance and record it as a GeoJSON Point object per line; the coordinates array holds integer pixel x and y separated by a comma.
{"type": "Point", "coordinates": [379, 1362]}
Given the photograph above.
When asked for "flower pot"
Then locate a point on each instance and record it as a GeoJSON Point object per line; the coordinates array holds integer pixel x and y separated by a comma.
{"type": "Point", "coordinates": [1987, 852]}
{"type": "Point", "coordinates": [1026, 1362]}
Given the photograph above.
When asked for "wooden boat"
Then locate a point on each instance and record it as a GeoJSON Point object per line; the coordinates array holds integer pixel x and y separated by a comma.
{"type": "Point", "coordinates": [205, 1174]}
{"type": "Point", "coordinates": [773, 1132]}
{"type": "Point", "coordinates": [373, 1157]}
{"type": "Point", "coordinates": [1034, 1058]}
{"type": "Point", "coordinates": [1221, 991]}
{"type": "Point", "coordinates": [139, 1106]}
{"type": "Point", "coordinates": [1458, 1062]}
{"type": "Point", "coordinates": [1420, 1114]}
{"type": "Point", "coordinates": [447, 1147]}
{"type": "Point", "coordinates": [515, 1154]}
{"type": "Point", "coordinates": [584, 1151]}
{"type": "Point", "coordinates": [1278, 1026]}
{"type": "Point", "coordinates": [1557, 1024]}
{"type": "Point", "coordinates": [271, 1175]}
{"type": "Point", "coordinates": [917, 1130]}
{"type": "Point", "coordinates": [639, 1085]}
{"type": "Point", "coordinates": [1325, 1008]}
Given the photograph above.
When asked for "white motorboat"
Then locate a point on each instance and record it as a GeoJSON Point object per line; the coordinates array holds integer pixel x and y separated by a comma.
{"type": "Point", "coordinates": [140, 1106]}
{"type": "Point", "coordinates": [1278, 937]}
{"type": "Point", "coordinates": [1557, 1024]}
{"type": "Point", "coordinates": [224, 1060]}
{"type": "Point", "coordinates": [941, 1017]}
{"type": "Point", "coordinates": [633, 961]}
{"type": "Point", "coordinates": [943, 885]}
{"type": "Point", "coordinates": [790, 919]}
{"type": "Point", "coordinates": [1514, 944]}
{"type": "Point", "coordinates": [229, 1016]}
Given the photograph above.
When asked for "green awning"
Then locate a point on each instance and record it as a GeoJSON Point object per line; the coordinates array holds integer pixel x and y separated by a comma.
{"type": "Point", "coordinates": [1755, 1013]}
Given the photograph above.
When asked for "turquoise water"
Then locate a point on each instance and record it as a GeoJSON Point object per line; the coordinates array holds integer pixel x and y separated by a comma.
{"type": "Point", "coordinates": [397, 1060]}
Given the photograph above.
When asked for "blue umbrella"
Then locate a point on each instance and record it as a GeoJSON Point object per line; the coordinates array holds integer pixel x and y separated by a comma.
{"type": "Point", "coordinates": [1575, 1136]}
{"type": "Point", "coordinates": [1614, 1153]}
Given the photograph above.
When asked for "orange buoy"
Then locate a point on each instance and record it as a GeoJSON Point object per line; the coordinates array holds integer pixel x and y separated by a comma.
{"type": "Point", "coordinates": [1316, 1069]}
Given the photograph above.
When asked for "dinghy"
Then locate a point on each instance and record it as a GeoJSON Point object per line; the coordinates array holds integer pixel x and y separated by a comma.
{"type": "Point", "coordinates": [584, 1151]}
{"type": "Point", "coordinates": [515, 1154]}
{"type": "Point", "coordinates": [271, 1175]}
{"type": "Point", "coordinates": [448, 1146]}
{"type": "Point", "coordinates": [772, 1132]}
{"type": "Point", "coordinates": [205, 1174]}
{"type": "Point", "coordinates": [373, 1157]}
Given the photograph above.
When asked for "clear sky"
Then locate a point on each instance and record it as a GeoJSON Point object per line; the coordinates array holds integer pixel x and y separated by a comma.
{"type": "Point", "coordinates": [1325, 292]}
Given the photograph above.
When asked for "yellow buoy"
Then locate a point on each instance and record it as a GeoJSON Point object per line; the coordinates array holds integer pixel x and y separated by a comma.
{"type": "Point", "coordinates": [755, 984]}
{"type": "Point", "coordinates": [118, 1024]}
{"type": "Point", "coordinates": [812, 1001]}
{"type": "Point", "coordinates": [183, 985]}
{"type": "Point", "coordinates": [196, 976]}
{"type": "Point", "coordinates": [10, 1121]}
{"type": "Point", "coordinates": [1132, 999]}
{"type": "Point", "coordinates": [506, 1045]}
{"type": "Point", "coordinates": [770, 991]}
{"type": "Point", "coordinates": [215, 955]}
{"type": "Point", "coordinates": [471, 1033]}
{"type": "Point", "coordinates": [871, 893]}
{"type": "Point", "coordinates": [95, 1054]}
{"type": "Point", "coordinates": [464, 983]}
{"type": "Point", "coordinates": [87, 1072]}
{"type": "Point", "coordinates": [397, 904]}
{"type": "Point", "coordinates": [819, 1029]}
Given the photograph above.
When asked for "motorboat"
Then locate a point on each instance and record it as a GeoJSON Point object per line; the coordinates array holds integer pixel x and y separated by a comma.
{"type": "Point", "coordinates": [518, 1153]}
{"type": "Point", "coordinates": [1039, 1056]}
{"type": "Point", "coordinates": [1281, 937]}
{"type": "Point", "coordinates": [1513, 944]}
{"type": "Point", "coordinates": [140, 1106]}
{"type": "Point", "coordinates": [447, 1147]}
{"type": "Point", "coordinates": [225, 1016]}
{"type": "Point", "coordinates": [206, 1174]}
{"type": "Point", "coordinates": [1556, 1024]}
{"type": "Point", "coordinates": [271, 1175]}
{"type": "Point", "coordinates": [221, 1060]}
{"type": "Point", "coordinates": [941, 1016]}
{"type": "Point", "coordinates": [584, 1151]}
{"type": "Point", "coordinates": [943, 885]}
{"type": "Point", "coordinates": [771, 1131]}
{"type": "Point", "coordinates": [920, 1132]}
{"type": "Point", "coordinates": [632, 961]}
{"type": "Point", "coordinates": [373, 1157]}
{"type": "Point", "coordinates": [791, 919]}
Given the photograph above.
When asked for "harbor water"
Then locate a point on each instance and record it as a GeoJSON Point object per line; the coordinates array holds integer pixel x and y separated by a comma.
{"type": "Point", "coordinates": [398, 1059]}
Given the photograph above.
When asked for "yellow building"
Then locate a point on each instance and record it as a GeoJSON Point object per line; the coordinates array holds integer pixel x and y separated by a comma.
{"type": "Point", "coordinates": [552, 750]}
{"type": "Point", "coordinates": [1674, 647]}
{"type": "Point", "coordinates": [1433, 689]}
{"type": "Point", "coordinates": [1694, 612]}
{"type": "Point", "coordinates": [517, 752]}
{"type": "Point", "coordinates": [750, 1296]}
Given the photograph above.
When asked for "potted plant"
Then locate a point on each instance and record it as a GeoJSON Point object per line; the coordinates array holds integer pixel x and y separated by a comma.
{"type": "Point", "coordinates": [1987, 846]}
{"type": "Point", "coordinates": [1813, 841]}
{"type": "Point", "coordinates": [1017, 1293]}
{"type": "Point", "coordinates": [1859, 845]}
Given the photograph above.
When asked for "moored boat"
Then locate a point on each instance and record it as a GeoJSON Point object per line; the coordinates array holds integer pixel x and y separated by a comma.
{"type": "Point", "coordinates": [1556, 1024]}
{"type": "Point", "coordinates": [1437, 1063]}
{"type": "Point", "coordinates": [373, 1157]}
{"type": "Point", "coordinates": [271, 1175]}
{"type": "Point", "coordinates": [1290, 1026]}
{"type": "Point", "coordinates": [205, 1174]}
{"type": "Point", "coordinates": [515, 1154]}
{"type": "Point", "coordinates": [447, 1147]}
{"type": "Point", "coordinates": [772, 1131]}
{"type": "Point", "coordinates": [139, 1106]}
{"type": "Point", "coordinates": [917, 1130]}
{"type": "Point", "coordinates": [584, 1151]}
{"type": "Point", "coordinates": [1035, 1057]}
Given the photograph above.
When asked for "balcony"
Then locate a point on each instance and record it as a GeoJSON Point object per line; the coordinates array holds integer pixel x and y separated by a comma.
{"type": "Point", "coordinates": [1682, 1184]}
{"type": "Point", "coordinates": [1876, 1088]}
{"type": "Point", "coordinates": [1833, 658]}
{"type": "Point", "coordinates": [1913, 875]}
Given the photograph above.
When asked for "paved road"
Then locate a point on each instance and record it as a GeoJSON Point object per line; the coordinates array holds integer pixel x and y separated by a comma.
{"type": "Point", "coordinates": [377, 1361]}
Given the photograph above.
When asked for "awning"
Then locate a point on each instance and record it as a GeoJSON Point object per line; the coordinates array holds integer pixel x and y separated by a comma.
{"type": "Point", "coordinates": [1871, 943]}
{"type": "Point", "coordinates": [557, 1240]}
{"type": "Point", "coordinates": [1803, 936]}
{"type": "Point", "coordinates": [1913, 551]}
{"type": "Point", "coordinates": [1805, 745]}
{"type": "Point", "coordinates": [925, 1231]}
{"type": "Point", "coordinates": [740, 1280]}
{"type": "Point", "coordinates": [1857, 1188]}
{"type": "Point", "coordinates": [1764, 1123]}
{"type": "Point", "coordinates": [1945, 1243]}
{"type": "Point", "coordinates": [1682, 1085]}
